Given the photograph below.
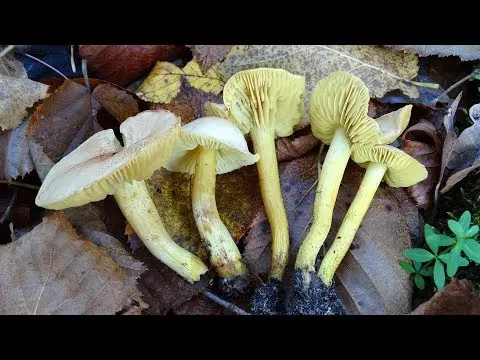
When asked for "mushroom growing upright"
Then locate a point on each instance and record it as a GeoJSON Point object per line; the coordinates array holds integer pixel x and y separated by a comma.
{"type": "Point", "coordinates": [207, 147]}
{"type": "Point", "coordinates": [101, 167]}
{"type": "Point", "coordinates": [268, 103]}
{"type": "Point", "coordinates": [338, 117]}
{"type": "Point", "coordinates": [383, 162]}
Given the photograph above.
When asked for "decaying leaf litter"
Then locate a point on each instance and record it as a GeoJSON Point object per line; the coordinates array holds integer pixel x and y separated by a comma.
{"type": "Point", "coordinates": [47, 126]}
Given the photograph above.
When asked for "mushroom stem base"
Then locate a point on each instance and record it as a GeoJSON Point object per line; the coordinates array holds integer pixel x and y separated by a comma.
{"type": "Point", "coordinates": [329, 179]}
{"type": "Point", "coordinates": [267, 165]}
{"type": "Point", "coordinates": [357, 210]}
{"type": "Point", "coordinates": [136, 204]}
{"type": "Point", "coordinates": [224, 254]}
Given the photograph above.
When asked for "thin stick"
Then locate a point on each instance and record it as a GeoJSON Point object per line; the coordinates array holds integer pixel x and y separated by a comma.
{"type": "Point", "coordinates": [19, 183]}
{"type": "Point", "coordinates": [458, 83]}
{"type": "Point", "coordinates": [233, 308]}
{"type": "Point", "coordinates": [6, 214]}
{"type": "Point", "coordinates": [43, 63]}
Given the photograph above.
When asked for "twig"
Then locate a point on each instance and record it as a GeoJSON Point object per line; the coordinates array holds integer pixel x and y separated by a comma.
{"type": "Point", "coordinates": [458, 83]}
{"type": "Point", "coordinates": [19, 183]}
{"type": "Point", "coordinates": [12, 232]}
{"type": "Point", "coordinates": [6, 50]}
{"type": "Point", "coordinates": [233, 308]}
{"type": "Point", "coordinates": [72, 60]}
{"type": "Point", "coordinates": [85, 74]}
{"type": "Point", "coordinates": [6, 214]}
{"type": "Point", "coordinates": [43, 63]}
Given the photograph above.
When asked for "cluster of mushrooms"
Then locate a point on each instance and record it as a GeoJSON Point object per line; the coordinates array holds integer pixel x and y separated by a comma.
{"type": "Point", "coordinates": [264, 103]}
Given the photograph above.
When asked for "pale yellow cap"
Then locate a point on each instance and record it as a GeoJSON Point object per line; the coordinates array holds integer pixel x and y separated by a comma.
{"type": "Point", "coordinates": [403, 170]}
{"type": "Point", "coordinates": [211, 133]}
{"type": "Point", "coordinates": [266, 98]}
{"type": "Point", "coordinates": [100, 164]}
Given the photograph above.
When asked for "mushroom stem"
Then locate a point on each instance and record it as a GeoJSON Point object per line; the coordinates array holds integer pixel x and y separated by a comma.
{"type": "Point", "coordinates": [138, 208]}
{"type": "Point", "coordinates": [329, 179]}
{"type": "Point", "coordinates": [264, 144]}
{"type": "Point", "coordinates": [224, 254]}
{"type": "Point", "coordinates": [357, 210]}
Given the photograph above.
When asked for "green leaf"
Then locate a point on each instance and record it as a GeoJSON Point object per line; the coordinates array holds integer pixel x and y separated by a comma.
{"type": "Point", "coordinates": [439, 274]}
{"type": "Point", "coordinates": [429, 232]}
{"type": "Point", "coordinates": [426, 271]}
{"type": "Point", "coordinates": [463, 262]}
{"type": "Point", "coordinates": [453, 263]}
{"type": "Point", "coordinates": [417, 265]}
{"type": "Point", "coordinates": [456, 228]}
{"type": "Point", "coordinates": [472, 231]}
{"type": "Point", "coordinates": [417, 254]}
{"type": "Point", "coordinates": [440, 240]}
{"type": "Point", "coordinates": [444, 257]}
{"type": "Point", "coordinates": [472, 250]}
{"type": "Point", "coordinates": [407, 267]}
{"type": "Point", "coordinates": [465, 220]}
{"type": "Point", "coordinates": [418, 280]}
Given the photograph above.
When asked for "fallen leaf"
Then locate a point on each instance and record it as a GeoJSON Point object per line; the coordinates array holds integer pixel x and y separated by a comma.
{"type": "Point", "coordinates": [295, 145]}
{"type": "Point", "coordinates": [369, 280]}
{"type": "Point", "coordinates": [60, 124]}
{"type": "Point", "coordinates": [15, 159]}
{"type": "Point", "coordinates": [16, 96]}
{"type": "Point", "coordinates": [119, 103]}
{"type": "Point", "coordinates": [122, 64]}
{"type": "Point", "coordinates": [209, 55]}
{"type": "Point", "coordinates": [209, 81]}
{"type": "Point", "coordinates": [189, 104]}
{"type": "Point", "coordinates": [52, 270]}
{"type": "Point", "coordinates": [382, 69]}
{"type": "Point", "coordinates": [465, 156]}
{"type": "Point", "coordinates": [200, 305]}
{"type": "Point", "coordinates": [9, 66]}
{"type": "Point", "coordinates": [423, 142]}
{"type": "Point", "coordinates": [465, 52]}
{"type": "Point", "coordinates": [163, 83]}
{"type": "Point", "coordinates": [457, 298]}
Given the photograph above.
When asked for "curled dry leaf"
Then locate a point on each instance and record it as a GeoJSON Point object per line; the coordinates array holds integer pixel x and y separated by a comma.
{"type": "Point", "coordinates": [119, 103]}
{"type": "Point", "coordinates": [369, 280]}
{"type": "Point", "coordinates": [295, 145]}
{"type": "Point", "coordinates": [52, 270]}
{"type": "Point", "coordinates": [123, 64]}
{"type": "Point", "coordinates": [209, 55]}
{"type": "Point", "coordinates": [15, 159]}
{"type": "Point", "coordinates": [457, 298]}
{"type": "Point", "coordinates": [423, 142]}
{"type": "Point", "coordinates": [163, 83]}
{"type": "Point", "coordinates": [465, 52]}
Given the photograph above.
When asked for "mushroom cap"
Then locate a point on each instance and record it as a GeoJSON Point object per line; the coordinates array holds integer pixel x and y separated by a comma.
{"type": "Point", "coordinates": [211, 133]}
{"type": "Point", "coordinates": [100, 164]}
{"type": "Point", "coordinates": [393, 124]}
{"type": "Point", "coordinates": [403, 170]}
{"type": "Point", "coordinates": [271, 99]}
{"type": "Point", "coordinates": [340, 100]}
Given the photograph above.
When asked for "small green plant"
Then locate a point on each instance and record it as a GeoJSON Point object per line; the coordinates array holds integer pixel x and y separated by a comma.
{"type": "Point", "coordinates": [432, 263]}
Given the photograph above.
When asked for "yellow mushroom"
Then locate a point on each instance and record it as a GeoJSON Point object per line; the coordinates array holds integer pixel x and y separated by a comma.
{"type": "Point", "coordinates": [207, 147]}
{"type": "Point", "coordinates": [267, 103]}
{"type": "Point", "coordinates": [100, 166]}
{"type": "Point", "coordinates": [383, 162]}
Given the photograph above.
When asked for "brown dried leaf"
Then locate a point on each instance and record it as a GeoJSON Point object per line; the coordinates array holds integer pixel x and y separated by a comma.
{"type": "Point", "coordinates": [209, 55]}
{"type": "Point", "coordinates": [295, 145]}
{"type": "Point", "coordinates": [123, 64]}
{"type": "Point", "coordinates": [16, 96]}
{"type": "Point", "coordinates": [369, 279]}
{"type": "Point", "coordinates": [61, 123]}
{"type": "Point", "coordinates": [423, 142]}
{"type": "Point", "coordinates": [200, 305]}
{"type": "Point", "coordinates": [52, 270]}
{"type": "Point", "coordinates": [457, 298]}
{"type": "Point", "coordinates": [119, 103]}
{"type": "Point", "coordinates": [15, 159]}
